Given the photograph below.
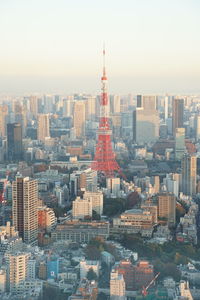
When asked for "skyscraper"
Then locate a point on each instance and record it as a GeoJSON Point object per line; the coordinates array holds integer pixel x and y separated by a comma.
{"type": "Point", "coordinates": [189, 173]}
{"type": "Point", "coordinates": [3, 119]}
{"type": "Point", "coordinates": [79, 118]}
{"type": "Point", "coordinates": [179, 143]}
{"type": "Point", "coordinates": [197, 127]}
{"type": "Point", "coordinates": [43, 127]}
{"type": "Point", "coordinates": [167, 207]}
{"type": "Point", "coordinates": [177, 114]}
{"type": "Point", "coordinates": [145, 120]}
{"type": "Point", "coordinates": [33, 101]}
{"type": "Point", "coordinates": [166, 103]}
{"type": "Point", "coordinates": [14, 142]}
{"type": "Point", "coordinates": [25, 201]}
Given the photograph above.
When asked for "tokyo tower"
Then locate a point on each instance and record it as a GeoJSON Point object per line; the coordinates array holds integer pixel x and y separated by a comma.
{"type": "Point", "coordinates": [104, 159]}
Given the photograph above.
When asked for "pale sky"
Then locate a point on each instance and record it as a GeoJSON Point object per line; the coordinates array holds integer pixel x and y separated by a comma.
{"type": "Point", "coordinates": [56, 45]}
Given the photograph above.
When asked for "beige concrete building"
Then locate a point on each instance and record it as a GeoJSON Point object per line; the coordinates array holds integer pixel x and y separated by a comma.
{"type": "Point", "coordinates": [34, 106]}
{"type": "Point", "coordinates": [43, 131]}
{"type": "Point", "coordinates": [167, 207]}
{"type": "Point", "coordinates": [2, 281]}
{"type": "Point", "coordinates": [189, 174]}
{"type": "Point", "coordinates": [46, 218]}
{"type": "Point", "coordinates": [134, 220]}
{"type": "Point", "coordinates": [113, 186]}
{"type": "Point", "coordinates": [117, 286]}
{"type": "Point", "coordinates": [25, 203]}
{"type": "Point", "coordinates": [3, 119]}
{"type": "Point", "coordinates": [96, 199]}
{"type": "Point", "coordinates": [185, 290]}
{"type": "Point", "coordinates": [81, 208]}
{"type": "Point", "coordinates": [79, 118]}
{"type": "Point", "coordinates": [8, 231]}
{"type": "Point", "coordinates": [17, 270]}
{"type": "Point", "coordinates": [90, 109]}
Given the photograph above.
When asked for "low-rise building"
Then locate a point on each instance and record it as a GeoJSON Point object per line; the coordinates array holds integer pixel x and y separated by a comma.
{"type": "Point", "coordinates": [81, 232]}
{"type": "Point", "coordinates": [134, 221]}
{"type": "Point", "coordinates": [86, 265]}
{"type": "Point", "coordinates": [117, 286]}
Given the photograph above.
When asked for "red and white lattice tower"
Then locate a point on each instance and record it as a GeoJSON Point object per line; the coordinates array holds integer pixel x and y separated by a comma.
{"type": "Point", "coordinates": [104, 159]}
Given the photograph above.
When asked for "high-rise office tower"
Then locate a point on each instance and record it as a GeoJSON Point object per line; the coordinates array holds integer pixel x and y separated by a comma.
{"type": "Point", "coordinates": [3, 119]}
{"type": "Point", "coordinates": [115, 103]}
{"type": "Point", "coordinates": [145, 120]}
{"type": "Point", "coordinates": [167, 207]}
{"type": "Point", "coordinates": [43, 130]}
{"type": "Point", "coordinates": [197, 127]}
{"type": "Point", "coordinates": [68, 107]}
{"type": "Point", "coordinates": [33, 101]}
{"type": "Point", "coordinates": [17, 270]}
{"type": "Point", "coordinates": [189, 174]}
{"type": "Point", "coordinates": [127, 125]}
{"type": "Point", "coordinates": [14, 142]}
{"type": "Point", "coordinates": [90, 109]}
{"type": "Point", "coordinates": [117, 286]}
{"type": "Point", "coordinates": [166, 103]}
{"type": "Point", "coordinates": [79, 118]}
{"type": "Point", "coordinates": [25, 213]}
{"type": "Point", "coordinates": [177, 114]}
{"type": "Point", "coordinates": [20, 115]}
{"type": "Point", "coordinates": [179, 143]}
{"type": "Point", "coordinates": [139, 100]}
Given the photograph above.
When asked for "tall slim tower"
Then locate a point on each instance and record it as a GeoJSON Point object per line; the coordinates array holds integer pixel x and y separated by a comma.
{"type": "Point", "coordinates": [14, 142]}
{"type": "Point", "coordinates": [25, 201]}
{"type": "Point", "coordinates": [189, 174]}
{"type": "Point", "coordinates": [104, 159]}
{"type": "Point", "coordinates": [177, 114]}
{"type": "Point", "coordinates": [43, 130]}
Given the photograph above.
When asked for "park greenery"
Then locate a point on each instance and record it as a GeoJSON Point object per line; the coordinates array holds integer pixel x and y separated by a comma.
{"type": "Point", "coordinates": [115, 206]}
{"type": "Point", "coordinates": [166, 257]}
{"type": "Point", "coordinates": [91, 275]}
{"type": "Point", "coordinates": [98, 245]}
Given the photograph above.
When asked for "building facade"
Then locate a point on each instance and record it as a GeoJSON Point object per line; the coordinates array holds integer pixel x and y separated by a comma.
{"type": "Point", "coordinates": [25, 215]}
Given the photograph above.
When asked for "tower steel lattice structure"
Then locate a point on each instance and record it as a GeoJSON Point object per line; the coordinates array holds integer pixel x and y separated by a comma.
{"type": "Point", "coordinates": [104, 159]}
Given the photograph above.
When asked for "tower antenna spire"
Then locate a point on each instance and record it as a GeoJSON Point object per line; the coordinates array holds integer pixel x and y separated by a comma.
{"type": "Point", "coordinates": [104, 60]}
{"type": "Point", "coordinates": [104, 159]}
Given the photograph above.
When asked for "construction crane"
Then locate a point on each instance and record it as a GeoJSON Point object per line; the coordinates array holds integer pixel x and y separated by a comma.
{"type": "Point", "coordinates": [145, 289]}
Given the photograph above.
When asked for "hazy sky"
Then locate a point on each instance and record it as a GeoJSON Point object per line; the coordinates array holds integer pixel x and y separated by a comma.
{"type": "Point", "coordinates": [56, 45]}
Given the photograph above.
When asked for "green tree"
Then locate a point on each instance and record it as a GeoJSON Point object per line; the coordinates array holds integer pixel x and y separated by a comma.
{"type": "Point", "coordinates": [102, 296]}
{"type": "Point", "coordinates": [91, 275]}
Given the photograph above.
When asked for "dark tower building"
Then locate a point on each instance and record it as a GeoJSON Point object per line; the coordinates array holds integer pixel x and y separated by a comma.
{"type": "Point", "coordinates": [139, 101]}
{"type": "Point", "coordinates": [14, 142]}
{"type": "Point", "coordinates": [24, 209]}
{"type": "Point", "coordinates": [177, 114]}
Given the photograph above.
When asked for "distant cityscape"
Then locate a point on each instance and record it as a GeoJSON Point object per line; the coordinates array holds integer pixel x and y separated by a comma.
{"type": "Point", "coordinates": [99, 196]}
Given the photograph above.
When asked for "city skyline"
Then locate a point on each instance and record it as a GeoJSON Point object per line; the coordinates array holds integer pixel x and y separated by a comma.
{"type": "Point", "coordinates": [152, 47]}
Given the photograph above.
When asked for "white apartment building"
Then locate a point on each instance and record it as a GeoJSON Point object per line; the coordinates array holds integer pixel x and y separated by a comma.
{"type": "Point", "coordinates": [81, 208]}
{"type": "Point", "coordinates": [97, 201]}
{"type": "Point", "coordinates": [17, 270]}
{"type": "Point", "coordinates": [113, 186]}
